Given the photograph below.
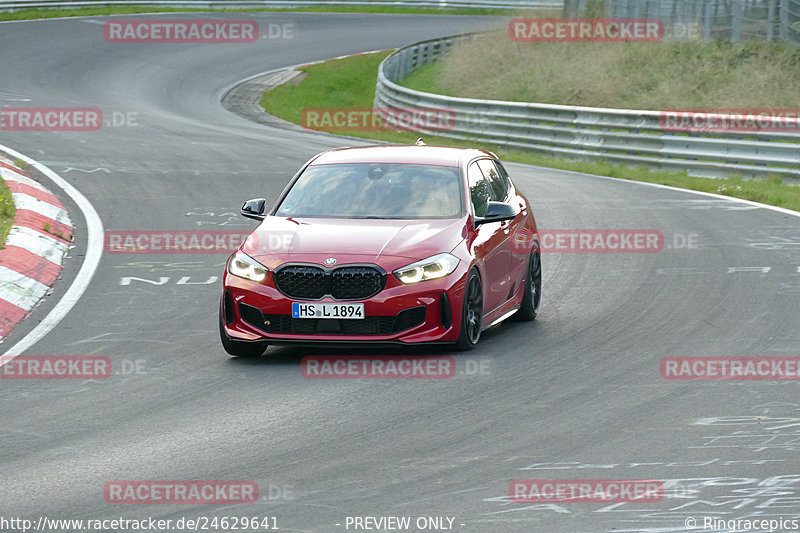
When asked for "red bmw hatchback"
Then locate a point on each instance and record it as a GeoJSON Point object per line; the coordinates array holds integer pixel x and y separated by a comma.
{"type": "Point", "coordinates": [384, 244]}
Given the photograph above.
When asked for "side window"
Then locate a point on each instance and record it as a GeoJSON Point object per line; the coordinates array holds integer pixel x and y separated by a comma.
{"type": "Point", "coordinates": [496, 182]}
{"type": "Point", "coordinates": [478, 189]}
{"type": "Point", "coordinates": [504, 176]}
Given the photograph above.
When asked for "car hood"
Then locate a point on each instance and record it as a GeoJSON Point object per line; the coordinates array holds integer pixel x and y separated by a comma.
{"type": "Point", "coordinates": [278, 239]}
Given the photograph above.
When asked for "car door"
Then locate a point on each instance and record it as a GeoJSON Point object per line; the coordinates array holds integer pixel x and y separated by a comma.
{"type": "Point", "coordinates": [490, 244]}
{"type": "Point", "coordinates": [504, 191]}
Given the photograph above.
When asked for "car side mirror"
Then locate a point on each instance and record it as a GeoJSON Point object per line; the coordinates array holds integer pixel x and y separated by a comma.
{"type": "Point", "coordinates": [255, 209]}
{"type": "Point", "coordinates": [497, 212]}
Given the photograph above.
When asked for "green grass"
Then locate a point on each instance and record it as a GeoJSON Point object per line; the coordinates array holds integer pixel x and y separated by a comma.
{"type": "Point", "coordinates": [28, 14]}
{"type": "Point", "coordinates": [652, 76]}
{"type": "Point", "coordinates": [350, 82]}
{"type": "Point", "coordinates": [337, 83]}
{"type": "Point", "coordinates": [7, 210]}
{"type": "Point", "coordinates": [53, 232]}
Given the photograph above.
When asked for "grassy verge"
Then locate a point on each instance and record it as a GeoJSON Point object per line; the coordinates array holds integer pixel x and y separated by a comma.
{"type": "Point", "coordinates": [350, 82]}
{"type": "Point", "coordinates": [29, 14]}
{"type": "Point", "coordinates": [654, 76]}
{"type": "Point", "coordinates": [7, 211]}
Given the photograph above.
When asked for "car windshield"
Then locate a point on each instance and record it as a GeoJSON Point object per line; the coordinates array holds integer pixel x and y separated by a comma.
{"type": "Point", "coordinates": [374, 190]}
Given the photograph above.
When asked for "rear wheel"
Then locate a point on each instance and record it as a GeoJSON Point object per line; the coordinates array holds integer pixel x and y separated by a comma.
{"type": "Point", "coordinates": [243, 349]}
{"type": "Point", "coordinates": [471, 313]}
{"type": "Point", "coordinates": [533, 288]}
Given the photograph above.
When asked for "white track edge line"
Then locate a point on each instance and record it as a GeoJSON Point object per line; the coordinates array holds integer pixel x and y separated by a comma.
{"type": "Point", "coordinates": [94, 252]}
{"type": "Point", "coordinates": [775, 208]}
{"type": "Point", "coordinates": [711, 195]}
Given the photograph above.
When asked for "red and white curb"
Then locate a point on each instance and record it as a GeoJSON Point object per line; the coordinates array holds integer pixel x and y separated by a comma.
{"type": "Point", "coordinates": [37, 243]}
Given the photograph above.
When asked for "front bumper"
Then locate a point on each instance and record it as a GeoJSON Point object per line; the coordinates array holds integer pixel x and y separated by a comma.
{"type": "Point", "coordinates": [425, 312]}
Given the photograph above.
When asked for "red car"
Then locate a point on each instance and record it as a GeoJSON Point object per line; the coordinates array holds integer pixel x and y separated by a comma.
{"type": "Point", "coordinates": [384, 244]}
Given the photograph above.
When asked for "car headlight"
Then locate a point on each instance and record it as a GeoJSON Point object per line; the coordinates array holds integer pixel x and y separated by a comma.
{"type": "Point", "coordinates": [437, 266]}
{"type": "Point", "coordinates": [244, 266]}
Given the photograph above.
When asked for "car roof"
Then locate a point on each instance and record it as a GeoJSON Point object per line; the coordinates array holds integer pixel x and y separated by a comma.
{"type": "Point", "coordinates": [412, 154]}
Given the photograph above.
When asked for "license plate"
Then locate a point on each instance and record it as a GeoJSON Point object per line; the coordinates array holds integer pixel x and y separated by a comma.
{"type": "Point", "coordinates": [320, 310]}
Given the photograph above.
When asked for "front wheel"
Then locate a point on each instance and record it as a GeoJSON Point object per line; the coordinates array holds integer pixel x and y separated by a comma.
{"type": "Point", "coordinates": [533, 288]}
{"type": "Point", "coordinates": [471, 313]}
{"type": "Point", "coordinates": [243, 349]}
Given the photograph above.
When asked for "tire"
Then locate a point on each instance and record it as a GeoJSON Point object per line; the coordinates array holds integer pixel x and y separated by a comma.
{"type": "Point", "coordinates": [533, 288]}
{"type": "Point", "coordinates": [471, 313]}
{"type": "Point", "coordinates": [243, 349]}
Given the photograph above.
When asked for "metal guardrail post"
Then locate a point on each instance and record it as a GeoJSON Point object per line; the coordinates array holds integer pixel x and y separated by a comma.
{"type": "Point", "coordinates": [707, 20]}
{"type": "Point", "coordinates": [784, 25]}
{"type": "Point", "coordinates": [736, 27]}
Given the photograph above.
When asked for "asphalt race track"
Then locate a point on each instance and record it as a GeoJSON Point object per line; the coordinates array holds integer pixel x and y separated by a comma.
{"type": "Point", "coordinates": [575, 395]}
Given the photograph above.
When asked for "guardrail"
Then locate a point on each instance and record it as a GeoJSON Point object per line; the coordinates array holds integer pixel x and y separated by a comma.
{"type": "Point", "coordinates": [616, 135]}
{"type": "Point", "coordinates": [235, 4]}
